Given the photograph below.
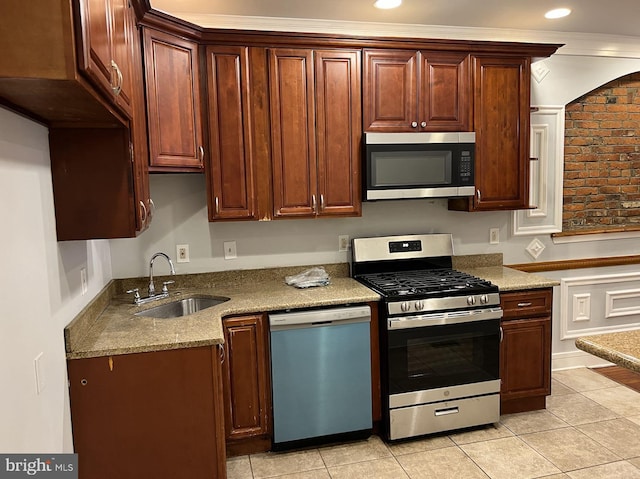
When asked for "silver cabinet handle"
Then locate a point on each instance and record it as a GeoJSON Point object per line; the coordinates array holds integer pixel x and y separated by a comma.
{"type": "Point", "coordinates": [446, 412]}
{"type": "Point", "coordinates": [217, 205]}
{"type": "Point", "coordinates": [321, 202]}
{"type": "Point", "coordinates": [222, 354]}
{"type": "Point", "coordinates": [414, 124]}
{"type": "Point", "coordinates": [501, 334]}
{"type": "Point", "coordinates": [313, 203]}
{"type": "Point", "coordinates": [143, 212]}
{"type": "Point", "coordinates": [152, 208]}
{"type": "Point", "coordinates": [118, 86]}
{"type": "Point", "coordinates": [201, 152]}
{"type": "Point", "coordinates": [524, 305]}
{"type": "Point", "coordinates": [423, 124]}
{"type": "Point", "coordinates": [479, 195]}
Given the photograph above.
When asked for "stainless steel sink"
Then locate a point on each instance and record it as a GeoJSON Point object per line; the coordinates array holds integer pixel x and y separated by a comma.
{"type": "Point", "coordinates": [182, 307]}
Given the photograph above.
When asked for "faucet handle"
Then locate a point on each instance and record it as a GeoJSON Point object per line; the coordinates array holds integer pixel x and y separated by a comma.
{"type": "Point", "coordinates": [164, 286]}
{"type": "Point", "coordinates": [136, 295]}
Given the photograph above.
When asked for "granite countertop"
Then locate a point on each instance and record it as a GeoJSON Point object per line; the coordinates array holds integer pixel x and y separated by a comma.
{"type": "Point", "coordinates": [621, 348]}
{"type": "Point", "coordinates": [489, 267]}
{"type": "Point", "coordinates": [108, 325]}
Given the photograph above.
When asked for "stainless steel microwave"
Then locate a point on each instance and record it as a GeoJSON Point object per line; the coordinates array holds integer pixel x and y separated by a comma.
{"type": "Point", "coordinates": [418, 165]}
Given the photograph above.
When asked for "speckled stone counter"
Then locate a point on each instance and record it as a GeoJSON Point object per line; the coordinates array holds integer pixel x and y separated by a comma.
{"type": "Point", "coordinates": [107, 326]}
{"type": "Point", "coordinates": [622, 348]}
{"type": "Point", "coordinates": [489, 267]}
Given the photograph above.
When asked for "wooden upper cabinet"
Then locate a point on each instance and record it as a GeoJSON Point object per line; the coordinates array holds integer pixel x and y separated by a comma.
{"type": "Point", "coordinates": [173, 102]}
{"type": "Point", "coordinates": [105, 55]}
{"type": "Point", "coordinates": [315, 125]}
{"type": "Point", "coordinates": [293, 132]}
{"type": "Point", "coordinates": [407, 90]}
{"type": "Point", "coordinates": [230, 177]}
{"type": "Point", "coordinates": [390, 90]}
{"type": "Point", "coordinates": [338, 120]}
{"type": "Point", "coordinates": [501, 99]}
{"type": "Point", "coordinates": [444, 91]}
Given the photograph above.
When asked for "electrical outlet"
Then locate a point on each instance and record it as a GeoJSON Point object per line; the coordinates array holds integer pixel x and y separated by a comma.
{"type": "Point", "coordinates": [83, 281]}
{"type": "Point", "coordinates": [230, 250]}
{"type": "Point", "coordinates": [182, 253]}
{"type": "Point", "coordinates": [494, 235]}
{"type": "Point", "coordinates": [343, 243]}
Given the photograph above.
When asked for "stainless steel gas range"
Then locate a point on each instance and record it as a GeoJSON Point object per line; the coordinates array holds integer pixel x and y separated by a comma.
{"type": "Point", "coordinates": [439, 335]}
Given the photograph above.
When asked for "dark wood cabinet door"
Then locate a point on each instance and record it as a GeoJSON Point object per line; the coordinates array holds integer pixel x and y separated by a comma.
{"type": "Point", "coordinates": [501, 122]}
{"type": "Point", "coordinates": [148, 415]}
{"type": "Point", "coordinates": [96, 54]}
{"type": "Point", "coordinates": [337, 77]}
{"type": "Point", "coordinates": [247, 395]}
{"type": "Point", "coordinates": [444, 92]}
{"type": "Point", "coordinates": [140, 152]}
{"type": "Point", "coordinates": [230, 176]}
{"type": "Point", "coordinates": [526, 358]}
{"type": "Point", "coordinates": [525, 350]}
{"type": "Point", "coordinates": [293, 132]}
{"type": "Point", "coordinates": [390, 90]}
{"type": "Point", "coordinates": [173, 102]}
{"type": "Point", "coordinates": [123, 20]}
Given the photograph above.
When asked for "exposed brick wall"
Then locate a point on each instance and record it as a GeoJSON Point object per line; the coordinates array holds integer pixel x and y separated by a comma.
{"type": "Point", "coordinates": [602, 157]}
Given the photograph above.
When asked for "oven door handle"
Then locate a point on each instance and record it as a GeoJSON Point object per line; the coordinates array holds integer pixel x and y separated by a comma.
{"type": "Point", "coordinates": [437, 319]}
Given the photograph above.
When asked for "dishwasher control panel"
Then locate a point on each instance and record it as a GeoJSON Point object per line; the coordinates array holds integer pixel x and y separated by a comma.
{"type": "Point", "coordinates": [320, 316]}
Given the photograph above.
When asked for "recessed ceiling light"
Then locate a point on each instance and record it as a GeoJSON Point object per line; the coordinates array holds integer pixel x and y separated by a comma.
{"type": "Point", "coordinates": [387, 4]}
{"type": "Point", "coordinates": [557, 13]}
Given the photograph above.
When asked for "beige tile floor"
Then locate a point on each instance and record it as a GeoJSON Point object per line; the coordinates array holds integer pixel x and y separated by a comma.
{"type": "Point", "coordinates": [590, 430]}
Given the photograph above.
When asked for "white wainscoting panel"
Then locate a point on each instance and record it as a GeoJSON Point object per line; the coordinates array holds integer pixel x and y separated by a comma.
{"type": "Point", "coordinates": [599, 304]}
{"type": "Point", "coordinates": [581, 307]}
{"type": "Point", "coordinates": [545, 182]}
{"type": "Point", "coordinates": [622, 303]}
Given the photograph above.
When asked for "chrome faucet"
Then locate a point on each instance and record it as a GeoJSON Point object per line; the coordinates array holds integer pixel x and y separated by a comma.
{"type": "Point", "coordinates": [152, 288]}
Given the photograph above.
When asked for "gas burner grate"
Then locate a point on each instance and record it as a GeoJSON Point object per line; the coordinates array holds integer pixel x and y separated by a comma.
{"type": "Point", "coordinates": [425, 282]}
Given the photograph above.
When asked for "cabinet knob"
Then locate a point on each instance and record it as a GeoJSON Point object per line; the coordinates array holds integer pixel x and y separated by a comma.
{"type": "Point", "coordinates": [423, 124]}
{"type": "Point", "coordinates": [83, 382]}
{"type": "Point", "coordinates": [414, 124]}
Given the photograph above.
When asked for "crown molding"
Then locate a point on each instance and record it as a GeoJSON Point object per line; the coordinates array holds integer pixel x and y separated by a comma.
{"type": "Point", "coordinates": [574, 43]}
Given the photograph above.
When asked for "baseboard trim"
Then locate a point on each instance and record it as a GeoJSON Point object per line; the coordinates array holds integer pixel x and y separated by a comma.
{"type": "Point", "coordinates": [576, 359]}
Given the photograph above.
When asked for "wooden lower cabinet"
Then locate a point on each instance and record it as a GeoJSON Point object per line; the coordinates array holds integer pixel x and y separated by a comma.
{"type": "Point", "coordinates": [525, 353]}
{"type": "Point", "coordinates": [247, 386]}
{"type": "Point", "coordinates": [149, 415]}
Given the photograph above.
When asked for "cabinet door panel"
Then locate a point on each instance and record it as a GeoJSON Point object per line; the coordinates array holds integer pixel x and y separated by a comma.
{"type": "Point", "coordinates": [293, 132]}
{"type": "Point", "coordinates": [246, 383]}
{"type": "Point", "coordinates": [390, 90]}
{"type": "Point", "coordinates": [147, 415]}
{"type": "Point", "coordinates": [525, 358]}
{"type": "Point", "coordinates": [231, 175]}
{"type": "Point", "coordinates": [501, 123]}
{"type": "Point", "coordinates": [121, 33]}
{"type": "Point", "coordinates": [338, 131]}
{"type": "Point", "coordinates": [173, 102]}
{"type": "Point", "coordinates": [96, 54]}
{"type": "Point", "coordinates": [444, 94]}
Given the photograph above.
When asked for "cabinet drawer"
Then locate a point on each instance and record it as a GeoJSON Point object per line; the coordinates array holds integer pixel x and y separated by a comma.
{"type": "Point", "coordinates": [521, 304]}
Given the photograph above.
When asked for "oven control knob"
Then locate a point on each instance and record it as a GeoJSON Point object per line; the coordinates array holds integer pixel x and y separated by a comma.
{"type": "Point", "coordinates": [484, 299]}
{"type": "Point", "coordinates": [471, 300]}
{"type": "Point", "coordinates": [405, 307]}
{"type": "Point", "coordinates": [419, 305]}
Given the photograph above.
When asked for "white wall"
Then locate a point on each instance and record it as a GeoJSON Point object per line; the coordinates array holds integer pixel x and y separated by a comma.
{"type": "Point", "coordinates": [39, 293]}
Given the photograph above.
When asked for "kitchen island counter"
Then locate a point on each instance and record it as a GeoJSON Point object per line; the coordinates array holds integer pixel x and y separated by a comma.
{"type": "Point", "coordinates": [108, 326]}
{"type": "Point", "coordinates": [621, 348]}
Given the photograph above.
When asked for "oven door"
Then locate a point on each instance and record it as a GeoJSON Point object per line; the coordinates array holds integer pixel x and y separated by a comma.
{"type": "Point", "coordinates": [443, 350]}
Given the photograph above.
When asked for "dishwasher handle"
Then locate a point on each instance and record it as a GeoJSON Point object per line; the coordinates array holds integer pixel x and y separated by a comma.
{"type": "Point", "coordinates": [319, 317]}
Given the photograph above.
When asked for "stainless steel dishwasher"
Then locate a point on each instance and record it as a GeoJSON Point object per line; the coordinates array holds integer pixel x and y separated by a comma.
{"type": "Point", "coordinates": [321, 375]}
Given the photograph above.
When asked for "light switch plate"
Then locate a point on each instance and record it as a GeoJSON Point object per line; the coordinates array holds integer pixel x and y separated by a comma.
{"type": "Point", "coordinates": [230, 250]}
